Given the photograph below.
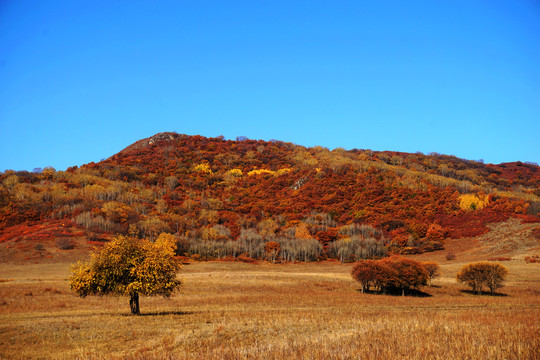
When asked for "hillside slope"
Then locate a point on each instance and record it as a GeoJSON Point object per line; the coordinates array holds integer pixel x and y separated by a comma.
{"type": "Point", "coordinates": [221, 191]}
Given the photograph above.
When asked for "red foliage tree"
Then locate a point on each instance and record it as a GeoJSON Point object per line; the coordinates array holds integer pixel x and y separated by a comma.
{"type": "Point", "coordinates": [406, 273]}
{"type": "Point", "coordinates": [390, 273]}
{"type": "Point", "coordinates": [271, 249]}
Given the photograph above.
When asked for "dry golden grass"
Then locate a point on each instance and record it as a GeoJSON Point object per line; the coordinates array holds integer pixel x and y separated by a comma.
{"type": "Point", "coordinates": [265, 311]}
{"type": "Point", "coordinates": [510, 238]}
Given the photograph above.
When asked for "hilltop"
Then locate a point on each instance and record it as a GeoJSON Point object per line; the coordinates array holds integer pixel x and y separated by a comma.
{"type": "Point", "coordinates": [220, 195]}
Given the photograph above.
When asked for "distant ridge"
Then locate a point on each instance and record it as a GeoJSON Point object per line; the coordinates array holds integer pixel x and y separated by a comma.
{"type": "Point", "coordinates": [164, 136]}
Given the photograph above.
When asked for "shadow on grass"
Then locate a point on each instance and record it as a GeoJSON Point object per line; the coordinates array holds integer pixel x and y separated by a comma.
{"type": "Point", "coordinates": [397, 292]}
{"type": "Point", "coordinates": [162, 313]}
{"type": "Point", "coordinates": [483, 293]}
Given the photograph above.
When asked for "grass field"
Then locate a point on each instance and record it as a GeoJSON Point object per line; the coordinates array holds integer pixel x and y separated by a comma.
{"type": "Point", "coordinates": [264, 311]}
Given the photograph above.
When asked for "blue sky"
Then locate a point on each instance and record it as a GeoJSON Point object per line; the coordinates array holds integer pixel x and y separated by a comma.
{"type": "Point", "coordinates": [81, 80]}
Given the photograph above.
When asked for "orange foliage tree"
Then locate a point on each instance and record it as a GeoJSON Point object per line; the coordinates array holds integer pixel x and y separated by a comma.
{"type": "Point", "coordinates": [271, 249]}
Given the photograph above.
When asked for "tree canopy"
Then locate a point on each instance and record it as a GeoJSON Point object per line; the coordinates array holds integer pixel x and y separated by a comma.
{"type": "Point", "coordinates": [480, 274]}
{"type": "Point", "coordinates": [130, 267]}
{"type": "Point", "coordinates": [394, 272]}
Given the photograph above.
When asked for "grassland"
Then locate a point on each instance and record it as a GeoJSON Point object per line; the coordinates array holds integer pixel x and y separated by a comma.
{"type": "Point", "coordinates": [265, 311]}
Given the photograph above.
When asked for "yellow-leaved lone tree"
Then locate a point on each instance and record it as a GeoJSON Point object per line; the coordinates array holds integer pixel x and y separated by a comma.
{"type": "Point", "coordinates": [129, 267]}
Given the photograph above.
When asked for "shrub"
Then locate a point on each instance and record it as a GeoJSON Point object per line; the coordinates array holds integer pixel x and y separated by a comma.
{"type": "Point", "coordinates": [411, 250]}
{"type": "Point", "coordinates": [39, 248]}
{"type": "Point", "coordinates": [65, 244]}
{"type": "Point", "coordinates": [532, 259]}
{"type": "Point", "coordinates": [499, 258]}
{"type": "Point", "coordinates": [93, 237]}
{"type": "Point", "coordinates": [435, 245]}
{"type": "Point", "coordinates": [246, 259]}
{"type": "Point", "coordinates": [435, 233]}
{"type": "Point", "coordinates": [480, 274]}
{"type": "Point", "coordinates": [450, 256]}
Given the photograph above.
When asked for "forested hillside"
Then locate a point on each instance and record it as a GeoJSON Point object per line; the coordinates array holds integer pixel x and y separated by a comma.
{"type": "Point", "coordinates": [257, 199]}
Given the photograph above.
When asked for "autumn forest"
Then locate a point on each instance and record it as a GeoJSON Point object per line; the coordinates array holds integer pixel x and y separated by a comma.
{"type": "Point", "coordinates": [224, 198]}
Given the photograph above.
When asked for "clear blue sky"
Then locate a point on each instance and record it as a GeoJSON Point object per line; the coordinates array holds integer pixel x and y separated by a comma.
{"type": "Point", "coordinates": [81, 80]}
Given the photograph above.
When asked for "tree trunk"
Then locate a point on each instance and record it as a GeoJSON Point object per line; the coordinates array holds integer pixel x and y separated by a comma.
{"type": "Point", "coordinates": [134, 304]}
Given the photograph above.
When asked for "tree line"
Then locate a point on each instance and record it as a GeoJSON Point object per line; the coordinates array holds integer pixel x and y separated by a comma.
{"type": "Point", "coordinates": [357, 242]}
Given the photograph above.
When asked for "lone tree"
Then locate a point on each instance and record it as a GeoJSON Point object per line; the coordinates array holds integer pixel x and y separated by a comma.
{"type": "Point", "coordinates": [476, 275]}
{"type": "Point", "coordinates": [129, 267]}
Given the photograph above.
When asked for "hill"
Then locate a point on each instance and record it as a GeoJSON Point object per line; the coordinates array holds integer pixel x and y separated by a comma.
{"type": "Point", "coordinates": [226, 198]}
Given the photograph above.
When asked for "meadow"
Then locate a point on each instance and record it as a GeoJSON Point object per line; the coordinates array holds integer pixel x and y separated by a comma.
{"type": "Point", "coordinates": [232, 310]}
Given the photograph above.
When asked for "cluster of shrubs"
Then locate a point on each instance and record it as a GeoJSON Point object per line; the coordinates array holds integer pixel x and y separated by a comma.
{"type": "Point", "coordinates": [480, 274]}
{"type": "Point", "coordinates": [65, 244]}
{"type": "Point", "coordinates": [395, 273]}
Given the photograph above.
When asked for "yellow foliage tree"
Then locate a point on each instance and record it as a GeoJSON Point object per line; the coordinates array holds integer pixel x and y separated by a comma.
{"type": "Point", "coordinates": [260, 171]}
{"type": "Point", "coordinates": [204, 168]}
{"type": "Point", "coordinates": [11, 181]}
{"type": "Point", "coordinates": [235, 172]}
{"type": "Point", "coordinates": [301, 232]}
{"type": "Point", "coordinates": [210, 234]}
{"type": "Point", "coordinates": [130, 267]}
{"type": "Point", "coordinates": [116, 211]}
{"type": "Point", "coordinates": [283, 171]}
{"type": "Point", "coordinates": [268, 227]}
{"type": "Point", "coordinates": [473, 202]}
